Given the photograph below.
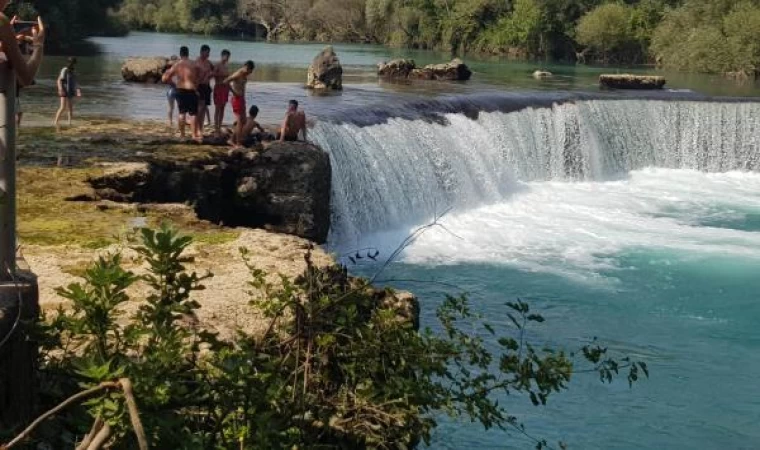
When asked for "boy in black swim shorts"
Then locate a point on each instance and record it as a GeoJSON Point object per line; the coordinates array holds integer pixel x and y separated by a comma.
{"type": "Point", "coordinates": [187, 101]}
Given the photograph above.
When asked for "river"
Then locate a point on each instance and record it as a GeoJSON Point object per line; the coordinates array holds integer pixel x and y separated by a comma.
{"type": "Point", "coordinates": [631, 218]}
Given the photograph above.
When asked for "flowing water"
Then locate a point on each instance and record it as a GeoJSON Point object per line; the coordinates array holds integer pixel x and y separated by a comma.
{"type": "Point", "coordinates": [632, 218]}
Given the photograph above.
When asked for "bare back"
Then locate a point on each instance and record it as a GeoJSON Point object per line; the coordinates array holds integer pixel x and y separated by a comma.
{"type": "Point", "coordinates": [295, 122]}
{"type": "Point", "coordinates": [186, 74]}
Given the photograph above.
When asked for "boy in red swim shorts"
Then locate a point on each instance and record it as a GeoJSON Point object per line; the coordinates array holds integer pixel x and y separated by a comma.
{"type": "Point", "coordinates": [237, 82]}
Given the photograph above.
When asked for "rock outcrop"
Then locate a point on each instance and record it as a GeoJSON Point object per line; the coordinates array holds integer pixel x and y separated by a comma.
{"type": "Point", "coordinates": [145, 70]}
{"type": "Point", "coordinates": [284, 188]}
{"type": "Point", "coordinates": [455, 70]}
{"type": "Point", "coordinates": [397, 68]}
{"type": "Point", "coordinates": [626, 81]}
{"type": "Point", "coordinates": [325, 72]}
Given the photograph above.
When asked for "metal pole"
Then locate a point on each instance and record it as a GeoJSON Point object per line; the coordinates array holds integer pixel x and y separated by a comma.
{"type": "Point", "coordinates": [7, 172]}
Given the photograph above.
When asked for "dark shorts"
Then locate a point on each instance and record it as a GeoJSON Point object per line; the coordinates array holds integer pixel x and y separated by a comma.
{"type": "Point", "coordinates": [171, 93]}
{"type": "Point", "coordinates": [204, 91]}
{"type": "Point", "coordinates": [287, 138]}
{"type": "Point", "coordinates": [187, 101]}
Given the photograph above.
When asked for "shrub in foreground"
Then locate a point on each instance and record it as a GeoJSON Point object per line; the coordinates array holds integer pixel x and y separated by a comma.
{"type": "Point", "coordinates": [337, 367]}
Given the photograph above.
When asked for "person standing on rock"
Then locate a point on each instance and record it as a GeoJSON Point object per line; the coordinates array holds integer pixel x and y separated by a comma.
{"type": "Point", "coordinates": [221, 90]}
{"type": "Point", "coordinates": [237, 82]}
{"type": "Point", "coordinates": [68, 88]}
{"type": "Point", "coordinates": [186, 73]}
{"type": "Point", "coordinates": [205, 72]}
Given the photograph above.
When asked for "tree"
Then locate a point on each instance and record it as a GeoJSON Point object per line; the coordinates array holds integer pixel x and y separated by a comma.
{"type": "Point", "coordinates": [607, 30]}
{"type": "Point", "coordinates": [270, 14]}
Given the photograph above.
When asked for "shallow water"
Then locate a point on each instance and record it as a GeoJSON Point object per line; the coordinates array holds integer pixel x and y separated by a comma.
{"type": "Point", "coordinates": [281, 74]}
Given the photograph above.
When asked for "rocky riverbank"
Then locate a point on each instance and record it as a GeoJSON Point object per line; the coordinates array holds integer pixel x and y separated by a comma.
{"type": "Point", "coordinates": [83, 191]}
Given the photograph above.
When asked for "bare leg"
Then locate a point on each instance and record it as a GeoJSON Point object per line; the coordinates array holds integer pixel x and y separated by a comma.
{"type": "Point", "coordinates": [197, 124]}
{"type": "Point", "coordinates": [60, 112]}
{"type": "Point", "coordinates": [181, 122]}
{"type": "Point", "coordinates": [171, 112]}
{"type": "Point", "coordinates": [218, 118]}
{"type": "Point", "coordinates": [71, 109]}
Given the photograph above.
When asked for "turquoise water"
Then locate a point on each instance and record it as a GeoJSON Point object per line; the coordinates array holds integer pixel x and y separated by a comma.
{"type": "Point", "coordinates": [636, 222]}
{"type": "Point", "coordinates": [677, 290]}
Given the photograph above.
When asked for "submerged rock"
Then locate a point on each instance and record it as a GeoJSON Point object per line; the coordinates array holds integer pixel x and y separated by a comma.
{"type": "Point", "coordinates": [325, 71]}
{"type": "Point", "coordinates": [145, 70]}
{"type": "Point", "coordinates": [542, 74]}
{"type": "Point", "coordinates": [283, 188]}
{"type": "Point", "coordinates": [626, 81]}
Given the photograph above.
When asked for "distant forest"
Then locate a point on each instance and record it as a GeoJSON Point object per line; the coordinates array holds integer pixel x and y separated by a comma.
{"type": "Point", "coordinates": [718, 36]}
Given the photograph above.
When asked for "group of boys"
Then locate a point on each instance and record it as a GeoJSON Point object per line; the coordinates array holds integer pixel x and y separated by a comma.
{"type": "Point", "coordinates": [190, 86]}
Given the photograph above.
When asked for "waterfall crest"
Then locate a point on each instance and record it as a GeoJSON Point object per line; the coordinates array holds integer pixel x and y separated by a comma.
{"type": "Point", "coordinates": [413, 161]}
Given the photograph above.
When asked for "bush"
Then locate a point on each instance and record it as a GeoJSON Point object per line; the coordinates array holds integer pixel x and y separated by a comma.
{"type": "Point", "coordinates": [337, 367]}
{"type": "Point", "coordinates": [607, 30]}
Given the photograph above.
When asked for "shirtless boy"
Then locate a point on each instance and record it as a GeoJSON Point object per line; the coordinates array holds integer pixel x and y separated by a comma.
{"type": "Point", "coordinates": [186, 75]}
{"type": "Point", "coordinates": [237, 82]}
{"type": "Point", "coordinates": [293, 124]}
{"type": "Point", "coordinates": [205, 72]}
{"type": "Point", "coordinates": [221, 90]}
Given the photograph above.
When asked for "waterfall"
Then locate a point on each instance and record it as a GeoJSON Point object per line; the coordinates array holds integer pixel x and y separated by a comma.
{"type": "Point", "coordinates": [401, 165]}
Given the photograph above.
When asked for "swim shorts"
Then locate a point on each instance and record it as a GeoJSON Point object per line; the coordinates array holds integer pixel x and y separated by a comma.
{"type": "Point", "coordinates": [171, 93]}
{"type": "Point", "coordinates": [204, 90]}
{"type": "Point", "coordinates": [187, 101]}
{"type": "Point", "coordinates": [238, 105]}
{"type": "Point", "coordinates": [221, 94]}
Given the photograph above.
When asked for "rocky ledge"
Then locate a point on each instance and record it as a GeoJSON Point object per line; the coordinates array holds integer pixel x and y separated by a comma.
{"type": "Point", "coordinates": [626, 81]}
{"type": "Point", "coordinates": [455, 70]}
{"type": "Point", "coordinates": [284, 187]}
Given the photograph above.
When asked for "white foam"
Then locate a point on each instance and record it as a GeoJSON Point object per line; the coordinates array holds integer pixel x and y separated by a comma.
{"type": "Point", "coordinates": [578, 228]}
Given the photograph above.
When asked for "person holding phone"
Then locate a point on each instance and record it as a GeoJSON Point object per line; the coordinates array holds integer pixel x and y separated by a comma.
{"type": "Point", "coordinates": [25, 69]}
{"type": "Point", "coordinates": [67, 90]}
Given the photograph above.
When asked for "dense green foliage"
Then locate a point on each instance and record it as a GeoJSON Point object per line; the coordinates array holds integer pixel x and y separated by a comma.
{"type": "Point", "coordinates": [340, 365]}
{"type": "Point", "coordinates": [697, 35]}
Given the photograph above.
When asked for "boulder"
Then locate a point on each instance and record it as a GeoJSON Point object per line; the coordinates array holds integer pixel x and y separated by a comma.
{"type": "Point", "coordinates": [626, 81]}
{"type": "Point", "coordinates": [397, 68]}
{"type": "Point", "coordinates": [325, 72]}
{"type": "Point", "coordinates": [455, 70]}
{"type": "Point", "coordinates": [284, 187]}
{"type": "Point", "coordinates": [145, 70]}
{"type": "Point", "coordinates": [542, 74]}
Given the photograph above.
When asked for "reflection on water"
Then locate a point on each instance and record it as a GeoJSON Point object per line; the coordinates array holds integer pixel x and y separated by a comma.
{"type": "Point", "coordinates": [281, 73]}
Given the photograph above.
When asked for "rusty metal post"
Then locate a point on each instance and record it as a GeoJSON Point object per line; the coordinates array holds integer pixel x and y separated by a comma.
{"type": "Point", "coordinates": [19, 294]}
{"type": "Point", "coordinates": [7, 172]}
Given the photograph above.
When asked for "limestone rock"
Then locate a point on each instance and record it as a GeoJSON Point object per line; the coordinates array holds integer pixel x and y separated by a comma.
{"type": "Point", "coordinates": [397, 68]}
{"type": "Point", "coordinates": [145, 70]}
{"type": "Point", "coordinates": [626, 81]}
{"type": "Point", "coordinates": [285, 188]}
{"type": "Point", "coordinates": [455, 70]}
{"type": "Point", "coordinates": [325, 71]}
{"type": "Point", "coordinates": [542, 74]}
